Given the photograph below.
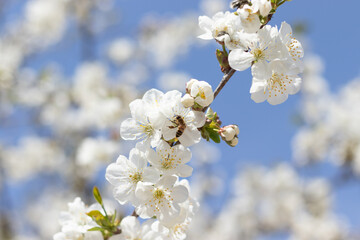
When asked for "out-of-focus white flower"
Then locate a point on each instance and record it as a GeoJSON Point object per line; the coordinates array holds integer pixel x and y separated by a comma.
{"type": "Point", "coordinates": [33, 156]}
{"type": "Point", "coordinates": [181, 123]}
{"type": "Point", "coordinates": [165, 40]}
{"type": "Point", "coordinates": [311, 145]}
{"type": "Point", "coordinates": [45, 20]}
{"type": "Point", "coordinates": [211, 7]}
{"type": "Point", "coordinates": [90, 83]}
{"type": "Point", "coordinates": [121, 50]}
{"type": "Point", "coordinates": [310, 227]}
{"type": "Point", "coordinates": [75, 223]}
{"type": "Point", "coordinates": [161, 199]}
{"type": "Point", "coordinates": [10, 59]}
{"type": "Point", "coordinates": [92, 153]}
{"type": "Point", "coordinates": [126, 175]}
{"type": "Point", "coordinates": [173, 81]}
{"type": "Point", "coordinates": [171, 160]}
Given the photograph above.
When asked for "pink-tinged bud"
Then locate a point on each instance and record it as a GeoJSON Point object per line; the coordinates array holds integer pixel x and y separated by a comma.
{"type": "Point", "coordinates": [228, 133]}
{"type": "Point", "coordinates": [187, 100]}
{"type": "Point", "coordinates": [236, 128]}
{"type": "Point", "coordinates": [234, 142]}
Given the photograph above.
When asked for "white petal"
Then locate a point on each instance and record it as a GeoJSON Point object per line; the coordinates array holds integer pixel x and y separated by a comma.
{"type": "Point", "coordinates": [184, 170]}
{"type": "Point", "coordinates": [130, 226]}
{"type": "Point", "coordinates": [143, 191]}
{"type": "Point", "coordinates": [138, 158]}
{"type": "Point", "coordinates": [180, 194]}
{"type": "Point", "coordinates": [199, 119]}
{"type": "Point", "coordinates": [279, 98]}
{"type": "Point", "coordinates": [190, 136]}
{"type": "Point", "coordinates": [130, 129]}
{"type": "Point", "coordinates": [151, 175]}
{"type": "Point", "coordinates": [123, 192]}
{"type": "Point", "coordinates": [240, 60]}
{"type": "Point", "coordinates": [167, 181]}
{"type": "Point", "coordinates": [259, 96]}
{"type": "Point", "coordinates": [153, 97]}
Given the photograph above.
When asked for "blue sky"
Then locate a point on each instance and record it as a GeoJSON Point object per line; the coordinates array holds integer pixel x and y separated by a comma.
{"type": "Point", "coordinates": [265, 131]}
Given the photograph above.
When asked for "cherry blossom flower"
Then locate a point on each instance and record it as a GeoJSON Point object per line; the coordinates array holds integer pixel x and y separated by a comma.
{"type": "Point", "coordinates": [181, 123]}
{"type": "Point", "coordinates": [146, 120]}
{"type": "Point", "coordinates": [126, 174]}
{"type": "Point", "coordinates": [171, 160]}
{"type": "Point", "coordinates": [131, 229]}
{"type": "Point", "coordinates": [161, 199]}
{"type": "Point", "coordinates": [273, 82]}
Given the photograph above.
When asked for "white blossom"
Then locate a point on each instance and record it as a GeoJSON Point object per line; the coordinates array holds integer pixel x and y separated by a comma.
{"type": "Point", "coordinates": [171, 160]}
{"type": "Point", "coordinates": [75, 223]}
{"type": "Point", "coordinates": [202, 93]}
{"type": "Point", "coordinates": [146, 120]}
{"type": "Point", "coordinates": [181, 123]}
{"type": "Point", "coordinates": [126, 174]}
{"type": "Point", "coordinates": [131, 229]}
{"type": "Point", "coordinates": [161, 199]}
{"type": "Point", "coordinates": [273, 82]}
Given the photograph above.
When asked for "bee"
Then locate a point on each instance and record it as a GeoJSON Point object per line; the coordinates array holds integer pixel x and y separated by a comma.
{"type": "Point", "coordinates": [238, 3]}
{"type": "Point", "coordinates": [179, 123]}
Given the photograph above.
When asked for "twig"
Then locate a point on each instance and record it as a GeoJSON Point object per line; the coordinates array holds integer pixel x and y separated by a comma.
{"type": "Point", "coordinates": [222, 84]}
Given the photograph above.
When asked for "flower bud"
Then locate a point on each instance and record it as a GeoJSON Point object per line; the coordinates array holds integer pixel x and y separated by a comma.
{"type": "Point", "coordinates": [236, 128]}
{"type": "Point", "coordinates": [228, 134]}
{"type": "Point", "coordinates": [187, 100]}
{"type": "Point", "coordinates": [234, 142]}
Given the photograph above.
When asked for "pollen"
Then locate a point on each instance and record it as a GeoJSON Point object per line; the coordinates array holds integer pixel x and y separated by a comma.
{"type": "Point", "coordinates": [158, 194]}
{"type": "Point", "coordinates": [258, 54]}
{"type": "Point", "coordinates": [136, 177]}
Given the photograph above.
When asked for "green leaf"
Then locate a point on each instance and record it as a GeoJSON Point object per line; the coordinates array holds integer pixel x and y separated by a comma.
{"type": "Point", "coordinates": [96, 229]}
{"type": "Point", "coordinates": [214, 135]}
{"type": "Point", "coordinates": [210, 113]}
{"type": "Point", "coordinates": [97, 195]}
{"type": "Point", "coordinates": [96, 215]}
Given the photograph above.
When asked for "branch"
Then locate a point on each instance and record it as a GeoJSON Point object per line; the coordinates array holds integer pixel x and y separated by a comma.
{"type": "Point", "coordinates": [222, 84]}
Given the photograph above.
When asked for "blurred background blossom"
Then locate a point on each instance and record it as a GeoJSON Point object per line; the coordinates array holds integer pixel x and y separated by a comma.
{"type": "Point", "coordinates": [69, 69]}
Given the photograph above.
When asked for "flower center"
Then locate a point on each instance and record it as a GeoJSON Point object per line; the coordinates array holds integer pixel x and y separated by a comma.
{"type": "Point", "coordinates": [167, 162]}
{"type": "Point", "coordinates": [158, 194]}
{"type": "Point", "coordinates": [147, 129]}
{"type": "Point", "coordinates": [275, 78]}
{"type": "Point", "coordinates": [202, 94]}
{"type": "Point", "coordinates": [258, 54]}
{"type": "Point", "coordinates": [136, 177]}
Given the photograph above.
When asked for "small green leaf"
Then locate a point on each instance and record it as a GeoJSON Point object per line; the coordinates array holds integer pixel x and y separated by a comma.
{"type": "Point", "coordinates": [96, 229]}
{"type": "Point", "coordinates": [96, 215]}
{"type": "Point", "coordinates": [210, 113]}
{"type": "Point", "coordinates": [97, 195]}
{"type": "Point", "coordinates": [214, 135]}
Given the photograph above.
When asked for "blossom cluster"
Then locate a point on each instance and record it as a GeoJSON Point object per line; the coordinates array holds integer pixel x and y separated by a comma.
{"type": "Point", "coordinates": [269, 201]}
{"type": "Point", "coordinates": [149, 178]}
{"type": "Point", "coordinates": [273, 54]}
{"type": "Point", "coordinates": [331, 130]}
